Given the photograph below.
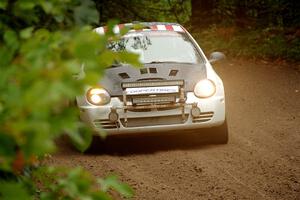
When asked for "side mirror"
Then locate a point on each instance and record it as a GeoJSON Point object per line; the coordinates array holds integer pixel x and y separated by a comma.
{"type": "Point", "coordinates": [216, 56]}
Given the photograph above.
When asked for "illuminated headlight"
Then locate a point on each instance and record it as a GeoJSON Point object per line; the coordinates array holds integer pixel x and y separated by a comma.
{"type": "Point", "coordinates": [98, 96]}
{"type": "Point", "coordinates": [205, 88]}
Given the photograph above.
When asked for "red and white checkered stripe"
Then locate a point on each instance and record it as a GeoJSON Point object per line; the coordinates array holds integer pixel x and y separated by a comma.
{"type": "Point", "coordinates": [159, 27]}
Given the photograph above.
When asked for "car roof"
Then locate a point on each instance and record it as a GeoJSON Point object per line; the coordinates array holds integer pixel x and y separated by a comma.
{"type": "Point", "coordinates": [143, 26]}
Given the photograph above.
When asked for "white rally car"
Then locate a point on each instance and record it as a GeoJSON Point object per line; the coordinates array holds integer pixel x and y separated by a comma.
{"type": "Point", "coordinates": [176, 89]}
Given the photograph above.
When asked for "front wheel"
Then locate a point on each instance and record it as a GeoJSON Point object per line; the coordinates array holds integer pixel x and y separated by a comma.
{"type": "Point", "coordinates": [220, 134]}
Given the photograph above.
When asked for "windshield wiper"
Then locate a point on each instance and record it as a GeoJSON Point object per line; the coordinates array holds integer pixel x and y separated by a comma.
{"type": "Point", "coordinates": [154, 62]}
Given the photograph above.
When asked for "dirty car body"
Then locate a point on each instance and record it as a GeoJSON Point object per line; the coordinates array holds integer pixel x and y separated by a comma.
{"type": "Point", "coordinates": [176, 89]}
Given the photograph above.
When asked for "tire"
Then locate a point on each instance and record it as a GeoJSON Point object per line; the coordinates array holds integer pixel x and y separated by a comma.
{"type": "Point", "coordinates": [220, 134]}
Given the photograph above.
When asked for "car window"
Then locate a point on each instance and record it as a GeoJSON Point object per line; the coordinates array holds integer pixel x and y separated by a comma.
{"type": "Point", "coordinates": [159, 46]}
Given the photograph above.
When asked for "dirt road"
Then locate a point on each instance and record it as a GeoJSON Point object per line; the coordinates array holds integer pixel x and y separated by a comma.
{"type": "Point", "coordinates": [261, 160]}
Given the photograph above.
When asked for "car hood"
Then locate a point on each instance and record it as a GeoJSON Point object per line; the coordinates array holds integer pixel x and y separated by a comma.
{"type": "Point", "coordinates": [115, 76]}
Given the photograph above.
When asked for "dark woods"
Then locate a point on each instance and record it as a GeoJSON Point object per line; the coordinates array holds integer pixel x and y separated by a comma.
{"type": "Point", "coordinates": [246, 13]}
{"type": "Point", "coordinates": [195, 13]}
{"type": "Point", "coordinates": [203, 13]}
{"type": "Point", "coordinates": [268, 29]}
{"type": "Point", "coordinates": [147, 10]}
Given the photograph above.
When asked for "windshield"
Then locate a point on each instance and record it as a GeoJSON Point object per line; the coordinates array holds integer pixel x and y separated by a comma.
{"type": "Point", "coordinates": [159, 46]}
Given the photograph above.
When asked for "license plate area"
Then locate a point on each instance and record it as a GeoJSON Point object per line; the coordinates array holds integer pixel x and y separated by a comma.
{"type": "Point", "coordinates": [152, 90]}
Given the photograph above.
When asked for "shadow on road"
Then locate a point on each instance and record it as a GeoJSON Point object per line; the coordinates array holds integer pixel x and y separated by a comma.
{"type": "Point", "coordinates": [150, 143]}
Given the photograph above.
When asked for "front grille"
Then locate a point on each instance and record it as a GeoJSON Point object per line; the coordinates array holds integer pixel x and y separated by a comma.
{"type": "Point", "coordinates": [153, 100]}
{"type": "Point", "coordinates": [203, 117]}
{"type": "Point", "coordinates": [149, 109]}
{"type": "Point", "coordinates": [106, 124]}
{"type": "Point", "coordinates": [154, 121]}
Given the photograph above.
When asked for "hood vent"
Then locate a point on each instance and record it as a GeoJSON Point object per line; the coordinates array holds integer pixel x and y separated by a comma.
{"type": "Point", "coordinates": [144, 71]}
{"type": "Point", "coordinates": [124, 75]}
{"type": "Point", "coordinates": [153, 70]}
{"type": "Point", "coordinates": [173, 72]}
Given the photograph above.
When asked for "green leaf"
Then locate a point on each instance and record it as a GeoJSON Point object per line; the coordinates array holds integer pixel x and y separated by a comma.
{"type": "Point", "coordinates": [131, 58]}
{"type": "Point", "coordinates": [3, 4]}
{"type": "Point", "coordinates": [6, 56]}
{"type": "Point", "coordinates": [99, 195]}
{"type": "Point", "coordinates": [85, 51]}
{"type": "Point", "coordinates": [110, 26]}
{"type": "Point", "coordinates": [1, 107]}
{"type": "Point", "coordinates": [38, 143]}
{"type": "Point", "coordinates": [11, 39]}
{"type": "Point", "coordinates": [47, 6]}
{"type": "Point", "coordinates": [13, 191]}
{"type": "Point", "coordinates": [86, 13]}
{"type": "Point", "coordinates": [7, 145]}
{"type": "Point", "coordinates": [26, 5]}
{"type": "Point", "coordinates": [113, 182]}
{"type": "Point", "coordinates": [26, 33]}
{"type": "Point", "coordinates": [81, 139]}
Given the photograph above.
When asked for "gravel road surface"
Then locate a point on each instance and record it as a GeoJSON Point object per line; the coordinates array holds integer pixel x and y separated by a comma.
{"type": "Point", "coordinates": [261, 160]}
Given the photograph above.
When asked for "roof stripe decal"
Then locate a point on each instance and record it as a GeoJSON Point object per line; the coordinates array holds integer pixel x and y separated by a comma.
{"type": "Point", "coordinates": [169, 27]}
{"type": "Point", "coordinates": [177, 28]}
{"type": "Point", "coordinates": [116, 29]}
{"type": "Point", "coordinates": [159, 27]}
{"type": "Point", "coordinates": [121, 26]}
{"type": "Point", "coordinates": [154, 27]}
{"type": "Point", "coordinates": [100, 30]}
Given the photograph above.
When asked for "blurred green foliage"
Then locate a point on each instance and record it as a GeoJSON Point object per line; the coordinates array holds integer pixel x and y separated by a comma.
{"type": "Point", "coordinates": [43, 45]}
{"type": "Point", "coordinates": [76, 184]}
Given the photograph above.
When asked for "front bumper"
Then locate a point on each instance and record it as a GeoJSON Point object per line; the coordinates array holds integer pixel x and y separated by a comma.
{"type": "Point", "coordinates": [156, 120]}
